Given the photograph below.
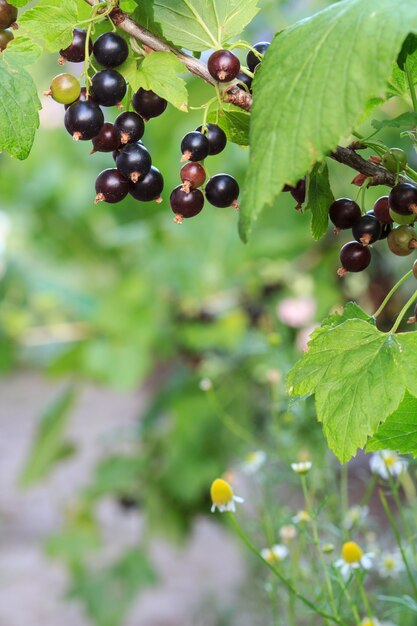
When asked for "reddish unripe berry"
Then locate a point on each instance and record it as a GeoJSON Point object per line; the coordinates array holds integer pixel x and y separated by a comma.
{"type": "Point", "coordinates": [193, 175]}
{"type": "Point", "coordinates": [8, 15]}
{"type": "Point", "coordinates": [223, 66]}
{"type": "Point", "coordinates": [381, 210]}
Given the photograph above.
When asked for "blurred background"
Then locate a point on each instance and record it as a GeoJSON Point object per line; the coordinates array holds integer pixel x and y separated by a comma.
{"type": "Point", "coordinates": [140, 360]}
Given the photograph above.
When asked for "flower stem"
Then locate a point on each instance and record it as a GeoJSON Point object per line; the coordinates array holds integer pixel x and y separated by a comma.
{"type": "Point", "coordinates": [344, 489]}
{"type": "Point", "coordinates": [403, 312]}
{"type": "Point", "coordinates": [397, 535]}
{"type": "Point", "coordinates": [316, 540]}
{"type": "Point", "coordinates": [391, 293]}
{"type": "Point", "coordinates": [363, 594]}
{"type": "Point", "coordinates": [349, 598]}
{"type": "Point", "coordinates": [287, 583]}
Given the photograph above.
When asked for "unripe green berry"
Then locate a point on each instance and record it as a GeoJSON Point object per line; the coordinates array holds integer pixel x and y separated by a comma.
{"type": "Point", "coordinates": [65, 89]}
{"type": "Point", "coordinates": [402, 219]}
{"type": "Point", "coordinates": [402, 240]}
{"type": "Point", "coordinates": [394, 160]}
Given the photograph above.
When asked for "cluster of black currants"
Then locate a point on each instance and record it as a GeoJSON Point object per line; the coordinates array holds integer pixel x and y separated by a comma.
{"type": "Point", "coordinates": [84, 119]}
{"type": "Point", "coordinates": [8, 17]}
{"type": "Point", "coordinates": [400, 207]}
{"type": "Point", "coordinates": [222, 190]}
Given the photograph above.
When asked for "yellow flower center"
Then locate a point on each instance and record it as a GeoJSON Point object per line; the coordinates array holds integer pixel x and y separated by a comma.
{"type": "Point", "coordinates": [351, 552]}
{"type": "Point", "coordinates": [221, 492]}
{"type": "Point", "coordinates": [389, 461]}
{"type": "Point", "coordinates": [389, 563]}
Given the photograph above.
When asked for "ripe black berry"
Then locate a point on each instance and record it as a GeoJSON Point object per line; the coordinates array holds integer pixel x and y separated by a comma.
{"type": "Point", "coordinates": [193, 175]}
{"type": "Point", "coordinates": [75, 53]}
{"type": "Point", "coordinates": [134, 161]}
{"type": "Point", "coordinates": [344, 213]}
{"type": "Point", "coordinates": [111, 186]}
{"type": "Point", "coordinates": [186, 204]}
{"type": "Point", "coordinates": [299, 192]}
{"type": "Point", "coordinates": [149, 187]}
{"type": "Point", "coordinates": [5, 38]}
{"type": "Point", "coordinates": [65, 89]}
{"type": "Point", "coordinates": [246, 80]}
{"type": "Point", "coordinates": [381, 210]}
{"type": "Point", "coordinates": [148, 104]}
{"type": "Point", "coordinates": [110, 50]}
{"type": "Point", "coordinates": [367, 230]}
{"type": "Point", "coordinates": [108, 87]}
{"type": "Point", "coordinates": [354, 257]}
{"type": "Point", "coordinates": [195, 147]}
{"type": "Point", "coordinates": [130, 126]}
{"type": "Point", "coordinates": [83, 120]}
{"type": "Point", "coordinates": [8, 14]}
{"type": "Point", "coordinates": [252, 60]}
{"type": "Point", "coordinates": [216, 136]}
{"type": "Point", "coordinates": [394, 160]}
{"type": "Point", "coordinates": [223, 66]}
{"type": "Point", "coordinates": [403, 198]}
{"type": "Point", "coordinates": [402, 240]}
{"type": "Point", "coordinates": [82, 97]}
{"type": "Point", "coordinates": [222, 191]}
{"type": "Point", "coordinates": [385, 228]}
{"type": "Point", "coordinates": [107, 140]}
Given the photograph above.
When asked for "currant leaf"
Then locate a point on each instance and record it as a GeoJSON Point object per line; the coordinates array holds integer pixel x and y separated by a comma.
{"type": "Point", "coordinates": [399, 431]}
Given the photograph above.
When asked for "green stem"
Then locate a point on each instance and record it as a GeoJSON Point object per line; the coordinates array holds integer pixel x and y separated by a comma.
{"type": "Point", "coordinates": [317, 545]}
{"type": "Point", "coordinates": [397, 535]}
{"type": "Point", "coordinates": [411, 85]}
{"type": "Point", "coordinates": [369, 490]}
{"type": "Point", "coordinates": [363, 594]}
{"type": "Point", "coordinates": [344, 488]}
{"type": "Point", "coordinates": [287, 583]}
{"type": "Point", "coordinates": [391, 293]}
{"type": "Point", "coordinates": [411, 173]}
{"type": "Point", "coordinates": [400, 508]}
{"type": "Point", "coordinates": [349, 598]}
{"type": "Point", "coordinates": [229, 421]}
{"type": "Point", "coordinates": [403, 312]}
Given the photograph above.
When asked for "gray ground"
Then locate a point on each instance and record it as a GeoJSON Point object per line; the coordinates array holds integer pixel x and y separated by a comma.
{"type": "Point", "coordinates": [31, 586]}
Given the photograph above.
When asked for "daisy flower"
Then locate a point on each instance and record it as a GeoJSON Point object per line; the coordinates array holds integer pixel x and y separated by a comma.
{"type": "Point", "coordinates": [274, 554]}
{"type": "Point", "coordinates": [254, 461]}
{"type": "Point", "coordinates": [302, 517]}
{"type": "Point", "coordinates": [301, 468]}
{"type": "Point", "coordinates": [287, 533]}
{"type": "Point", "coordinates": [373, 621]}
{"type": "Point", "coordinates": [222, 496]}
{"type": "Point", "coordinates": [390, 565]}
{"type": "Point", "coordinates": [205, 384]}
{"type": "Point", "coordinates": [387, 463]}
{"type": "Point", "coordinates": [355, 516]}
{"type": "Point", "coordinates": [353, 557]}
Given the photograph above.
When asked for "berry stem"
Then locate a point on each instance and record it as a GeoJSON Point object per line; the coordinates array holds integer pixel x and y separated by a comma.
{"type": "Point", "coordinates": [391, 293]}
{"type": "Point", "coordinates": [403, 312]}
{"type": "Point", "coordinates": [411, 173]}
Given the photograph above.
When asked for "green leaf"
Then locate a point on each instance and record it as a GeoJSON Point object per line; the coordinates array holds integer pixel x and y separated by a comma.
{"type": "Point", "coordinates": [51, 21]}
{"type": "Point", "coordinates": [19, 3]}
{"type": "Point", "coordinates": [128, 5]}
{"type": "Point", "coordinates": [159, 72]}
{"type": "Point", "coordinates": [319, 199]}
{"type": "Point", "coordinates": [399, 431]}
{"type": "Point", "coordinates": [49, 446]}
{"type": "Point", "coordinates": [305, 101]}
{"type": "Point", "coordinates": [107, 594]}
{"type": "Point", "coordinates": [22, 51]}
{"type": "Point", "coordinates": [234, 122]}
{"type": "Point", "coordinates": [203, 24]}
{"type": "Point", "coordinates": [405, 119]}
{"type": "Point", "coordinates": [19, 106]}
{"type": "Point", "coordinates": [347, 368]}
{"type": "Point", "coordinates": [79, 536]}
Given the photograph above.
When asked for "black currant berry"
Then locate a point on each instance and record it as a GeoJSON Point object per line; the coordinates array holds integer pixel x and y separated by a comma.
{"type": "Point", "coordinates": [299, 192]}
{"type": "Point", "coordinates": [75, 53]}
{"type": "Point", "coordinates": [194, 147]}
{"type": "Point", "coordinates": [344, 213]}
{"type": "Point", "coordinates": [252, 60]}
{"type": "Point", "coordinates": [367, 230]}
{"type": "Point", "coordinates": [354, 257]}
{"type": "Point", "coordinates": [403, 198]}
{"type": "Point", "coordinates": [148, 104]}
{"type": "Point", "coordinates": [134, 161]}
{"type": "Point", "coordinates": [111, 186]}
{"type": "Point", "coordinates": [107, 140]}
{"type": "Point", "coordinates": [83, 120]}
{"type": "Point", "coordinates": [222, 191]}
{"type": "Point", "coordinates": [394, 160]}
{"type": "Point", "coordinates": [186, 204]}
{"type": "Point", "coordinates": [402, 240]}
{"type": "Point", "coordinates": [108, 87]}
{"type": "Point", "coordinates": [65, 89]}
{"type": "Point", "coordinates": [130, 126]}
{"type": "Point", "coordinates": [149, 187]}
{"type": "Point", "coordinates": [223, 66]}
{"type": "Point", "coordinates": [245, 80]}
{"type": "Point", "coordinates": [385, 228]}
{"type": "Point", "coordinates": [82, 97]}
{"type": "Point", "coordinates": [110, 50]}
{"type": "Point", "coordinates": [381, 210]}
{"type": "Point", "coordinates": [216, 136]}
{"type": "Point", "coordinates": [413, 318]}
{"type": "Point", "coordinates": [8, 14]}
{"type": "Point", "coordinates": [193, 175]}
{"type": "Point", "coordinates": [6, 37]}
